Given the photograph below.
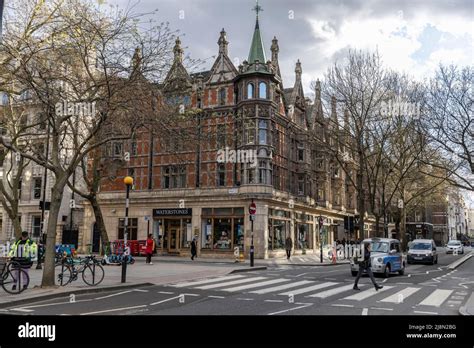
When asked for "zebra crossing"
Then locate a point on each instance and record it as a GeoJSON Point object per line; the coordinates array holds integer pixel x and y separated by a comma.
{"type": "Point", "coordinates": [315, 289]}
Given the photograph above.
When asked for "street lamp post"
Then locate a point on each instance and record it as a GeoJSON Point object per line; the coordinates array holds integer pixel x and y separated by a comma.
{"type": "Point", "coordinates": [321, 238]}
{"type": "Point", "coordinates": [128, 181]}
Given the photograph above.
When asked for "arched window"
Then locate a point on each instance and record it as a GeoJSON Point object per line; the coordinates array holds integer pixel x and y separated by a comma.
{"type": "Point", "coordinates": [250, 90]}
{"type": "Point", "coordinates": [262, 90]}
{"type": "Point", "coordinates": [222, 95]}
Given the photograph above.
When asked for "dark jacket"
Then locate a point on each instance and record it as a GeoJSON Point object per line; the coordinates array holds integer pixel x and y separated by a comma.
{"type": "Point", "coordinates": [193, 247]}
{"type": "Point", "coordinates": [366, 263]}
{"type": "Point", "coordinates": [288, 244]}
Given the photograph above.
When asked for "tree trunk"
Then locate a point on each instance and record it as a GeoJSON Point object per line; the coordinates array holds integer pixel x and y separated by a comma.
{"type": "Point", "coordinates": [377, 225]}
{"type": "Point", "coordinates": [56, 198]}
{"type": "Point", "coordinates": [99, 220]}
{"type": "Point", "coordinates": [361, 197]}
{"type": "Point", "coordinates": [16, 225]}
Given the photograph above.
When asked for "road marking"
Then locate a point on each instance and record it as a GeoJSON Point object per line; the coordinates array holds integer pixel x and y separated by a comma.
{"type": "Point", "coordinates": [308, 289]}
{"type": "Point", "coordinates": [212, 296]}
{"type": "Point", "coordinates": [365, 311]}
{"type": "Point", "coordinates": [281, 287]}
{"type": "Point", "coordinates": [273, 301]}
{"type": "Point", "coordinates": [332, 292]}
{"type": "Point", "coordinates": [291, 309]}
{"type": "Point", "coordinates": [382, 309]}
{"type": "Point", "coordinates": [141, 290]}
{"type": "Point", "coordinates": [330, 279]}
{"type": "Point", "coordinates": [463, 293]}
{"type": "Point", "coordinates": [113, 310]}
{"type": "Point", "coordinates": [213, 280]}
{"type": "Point", "coordinates": [117, 294]}
{"type": "Point", "coordinates": [422, 312]}
{"type": "Point", "coordinates": [342, 305]}
{"type": "Point", "coordinates": [169, 299]}
{"type": "Point", "coordinates": [22, 310]}
{"type": "Point", "coordinates": [58, 303]}
{"type": "Point", "coordinates": [256, 285]}
{"type": "Point", "coordinates": [366, 294]}
{"type": "Point", "coordinates": [401, 295]}
{"type": "Point", "coordinates": [436, 298]}
{"type": "Point", "coordinates": [190, 294]}
{"type": "Point", "coordinates": [245, 299]}
{"type": "Point", "coordinates": [233, 282]}
{"type": "Point", "coordinates": [166, 292]}
{"type": "Point", "coordinates": [457, 297]}
{"type": "Point", "coordinates": [405, 283]}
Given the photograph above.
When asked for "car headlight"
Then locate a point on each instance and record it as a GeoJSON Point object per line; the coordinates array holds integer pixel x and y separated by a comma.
{"type": "Point", "coordinates": [379, 260]}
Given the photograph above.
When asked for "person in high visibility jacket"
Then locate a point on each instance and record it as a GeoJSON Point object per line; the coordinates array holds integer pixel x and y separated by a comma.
{"type": "Point", "coordinates": [24, 251]}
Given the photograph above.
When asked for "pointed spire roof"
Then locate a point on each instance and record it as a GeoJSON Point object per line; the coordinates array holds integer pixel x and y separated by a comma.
{"type": "Point", "coordinates": [257, 51]}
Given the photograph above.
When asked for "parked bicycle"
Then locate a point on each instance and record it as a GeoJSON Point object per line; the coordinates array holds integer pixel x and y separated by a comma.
{"type": "Point", "coordinates": [69, 268]}
{"type": "Point", "coordinates": [13, 278]}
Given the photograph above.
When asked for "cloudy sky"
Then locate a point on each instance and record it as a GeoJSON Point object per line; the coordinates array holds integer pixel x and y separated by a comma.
{"type": "Point", "coordinates": [411, 35]}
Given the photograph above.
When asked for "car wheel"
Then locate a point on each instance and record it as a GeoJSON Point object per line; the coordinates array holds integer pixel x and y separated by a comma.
{"type": "Point", "coordinates": [386, 272]}
{"type": "Point", "coordinates": [354, 273]}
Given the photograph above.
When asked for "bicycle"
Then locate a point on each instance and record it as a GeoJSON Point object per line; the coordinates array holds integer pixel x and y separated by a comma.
{"type": "Point", "coordinates": [92, 272]}
{"type": "Point", "coordinates": [11, 277]}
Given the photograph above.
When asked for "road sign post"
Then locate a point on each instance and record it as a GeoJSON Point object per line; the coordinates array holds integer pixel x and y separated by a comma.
{"type": "Point", "coordinates": [252, 211]}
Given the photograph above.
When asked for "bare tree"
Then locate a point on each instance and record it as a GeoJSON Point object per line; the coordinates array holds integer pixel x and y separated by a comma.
{"type": "Point", "coordinates": [79, 76]}
{"type": "Point", "coordinates": [449, 122]}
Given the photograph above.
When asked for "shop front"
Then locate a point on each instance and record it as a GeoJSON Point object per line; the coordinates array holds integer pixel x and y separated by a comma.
{"type": "Point", "coordinates": [222, 230]}
{"type": "Point", "coordinates": [304, 232]}
{"type": "Point", "coordinates": [172, 229]}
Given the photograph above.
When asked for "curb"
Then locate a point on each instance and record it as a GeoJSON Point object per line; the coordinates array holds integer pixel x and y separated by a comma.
{"type": "Point", "coordinates": [470, 303]}
{"type": "Point", "coordinates": [459, 262]}
{"type": "Point", "coordinates": [67, 293]}
{"type": "Point", "coordinates": [250, 269]}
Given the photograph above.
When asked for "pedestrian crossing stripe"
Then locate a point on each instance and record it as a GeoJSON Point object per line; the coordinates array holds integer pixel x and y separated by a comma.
{"type": "Point", "coordinates": [205, 281]}
{"type": "Point", "coordinates": [309, 289]}
{"type": "Point", "coordinates": [367, 293]}
{"type": "Point", "coordinates": [281, 287]}
{"type": "Point", "coordinates": [232, 282]}
{"type": "Point", "coordinates": [400, 296]}
{"type": "Point", "coordinates": [285, 287]}
{"type": "Point", "coordinates": [436, 298]}
{"type": "Point", "coordinates": [332, 292]}
{"type": "Point", "coordinates": [255, 285]}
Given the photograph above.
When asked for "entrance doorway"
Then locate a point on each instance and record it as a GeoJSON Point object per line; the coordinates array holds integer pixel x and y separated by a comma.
{"type": "Point", "coordinates": [173, 229]}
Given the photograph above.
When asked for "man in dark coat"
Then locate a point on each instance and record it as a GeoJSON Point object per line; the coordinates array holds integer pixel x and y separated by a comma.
{"type": "Point", "coordinates": [193, 249]}
{"type": "Point", "coordinates": [288, 246]}
{"type": "Point", "coordinates": [365, 265]}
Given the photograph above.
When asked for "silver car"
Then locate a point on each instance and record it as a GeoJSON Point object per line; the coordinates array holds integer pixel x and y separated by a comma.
{"type": "Point", "coordinates": [422, 250]}
{"type": "Point", "coordinates": [454, 247]}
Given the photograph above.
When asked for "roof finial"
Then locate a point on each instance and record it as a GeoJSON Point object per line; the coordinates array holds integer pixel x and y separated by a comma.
{"type": "Point", "coordinates": [257, 9]}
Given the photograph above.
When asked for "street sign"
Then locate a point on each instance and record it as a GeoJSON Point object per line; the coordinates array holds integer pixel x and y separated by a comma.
{"type": "Point", "coordinates": [400, 203]}
{"type": "Point", "coordinates": [252, 208]}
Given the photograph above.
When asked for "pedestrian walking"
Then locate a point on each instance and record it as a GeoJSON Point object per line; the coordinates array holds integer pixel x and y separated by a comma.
{"type": "Point", "coordinates": [149, 248]}
{"type": "Point", "coordinates": [288, 247]}
{"type": "Point", "coordinates": [365, 265]}
{"type": "Point", "coordinates": [24, 251]}
{"type": "Point", "coordinates": [193, 249]}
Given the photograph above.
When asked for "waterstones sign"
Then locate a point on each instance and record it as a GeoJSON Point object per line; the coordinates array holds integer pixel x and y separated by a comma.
{"type": "Point", "coordinates": [172, 212]}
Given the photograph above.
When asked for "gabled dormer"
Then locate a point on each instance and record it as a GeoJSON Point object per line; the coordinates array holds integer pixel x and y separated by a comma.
{"type": "Point", "coordinates": [223, 69]}
{"type": "Point", "coordinates": [178, 79]}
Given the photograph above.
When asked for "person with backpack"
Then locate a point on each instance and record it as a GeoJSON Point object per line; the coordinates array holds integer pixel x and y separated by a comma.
{"type": "Point", "coordinates": [365, 265]}
{"type": "Point", "coordinates": [24, 251]}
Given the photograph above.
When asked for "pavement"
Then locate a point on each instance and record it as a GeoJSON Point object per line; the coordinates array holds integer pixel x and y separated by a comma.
{"type": "Point", "coordinates": [277, 290]}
